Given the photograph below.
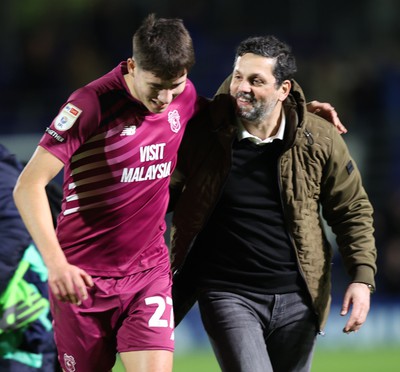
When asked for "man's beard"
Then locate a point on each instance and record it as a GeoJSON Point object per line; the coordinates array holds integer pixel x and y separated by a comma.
{"type": "Point", "coordinates": [256, 112]}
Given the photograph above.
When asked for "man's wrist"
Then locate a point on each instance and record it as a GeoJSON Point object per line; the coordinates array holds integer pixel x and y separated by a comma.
{"type": "Point", "coordinates": [371, 288]}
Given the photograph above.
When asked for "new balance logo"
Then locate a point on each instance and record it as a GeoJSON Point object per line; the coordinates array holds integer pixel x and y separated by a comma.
{"type": "Point", "coordinates": [128, 130]}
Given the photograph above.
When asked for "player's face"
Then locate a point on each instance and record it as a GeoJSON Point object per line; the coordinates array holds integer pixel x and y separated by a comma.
{"type": "Point", "coordinates": [254, 87]}
{"type": "Point", "coordinates": [155, 93]}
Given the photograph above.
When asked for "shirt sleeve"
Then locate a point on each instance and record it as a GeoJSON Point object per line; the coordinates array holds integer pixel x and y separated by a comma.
{"type": "Point", "coordinates": [77, 119]}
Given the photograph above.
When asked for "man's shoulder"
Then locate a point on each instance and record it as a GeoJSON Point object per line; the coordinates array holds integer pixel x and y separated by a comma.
{"type": "Point", "coordinates": [318, 125]}
{"type": "Point", "coordinates": [322, 135]}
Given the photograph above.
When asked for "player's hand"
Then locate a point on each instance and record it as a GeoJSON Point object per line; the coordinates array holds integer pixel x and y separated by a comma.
{"type": "Point", "coordinates": [328, 112]}
{"type": "Point", "coordinates": [357, 297]}
{"type": "Point", "coordinates": [69, 283]}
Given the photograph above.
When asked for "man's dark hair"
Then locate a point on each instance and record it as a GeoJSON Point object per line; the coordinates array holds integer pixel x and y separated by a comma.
{"type": "Point", "coordinates": [271, 47]}
{"type": "Point", "coordinates": [164, 47]}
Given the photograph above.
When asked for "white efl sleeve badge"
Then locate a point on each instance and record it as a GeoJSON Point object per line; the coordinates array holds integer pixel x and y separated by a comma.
{"type": "Point", "coordinates": [67, 117]}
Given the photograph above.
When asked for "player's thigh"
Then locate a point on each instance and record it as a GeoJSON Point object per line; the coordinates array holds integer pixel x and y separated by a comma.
{"type": "Point", "coordinates": [83, 334]}
{"type": "Point", "coordinates": [147, 361]}
{"type": "Point", "coordinates": [148, 323]}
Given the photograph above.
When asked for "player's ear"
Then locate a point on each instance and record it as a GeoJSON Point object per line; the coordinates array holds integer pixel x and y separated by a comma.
{"type": "Point", "coordinates": [131, 65]}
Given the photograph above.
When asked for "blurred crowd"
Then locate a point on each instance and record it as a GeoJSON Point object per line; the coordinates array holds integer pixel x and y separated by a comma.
{"type": "Point", "coordinates": [348, 55]}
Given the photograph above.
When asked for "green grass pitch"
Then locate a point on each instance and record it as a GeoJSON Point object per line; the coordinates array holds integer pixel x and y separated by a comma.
{"type": "Point", "coordinates": [350, 360]}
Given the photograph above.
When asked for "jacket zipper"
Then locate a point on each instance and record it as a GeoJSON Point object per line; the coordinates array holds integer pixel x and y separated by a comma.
{"type": "Point", "coordinates": [309, 137]}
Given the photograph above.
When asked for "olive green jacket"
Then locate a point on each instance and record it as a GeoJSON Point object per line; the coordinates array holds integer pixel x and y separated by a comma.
{"type": "Point", "coordinates": [317, 176]}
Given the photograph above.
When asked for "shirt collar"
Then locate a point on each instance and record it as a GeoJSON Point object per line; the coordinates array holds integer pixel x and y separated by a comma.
{"type": "Point", "coordinates": [243, 133]}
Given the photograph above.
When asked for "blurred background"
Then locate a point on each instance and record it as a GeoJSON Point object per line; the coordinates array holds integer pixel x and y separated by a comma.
{"type": "Point", "coordinates": [348, 54]}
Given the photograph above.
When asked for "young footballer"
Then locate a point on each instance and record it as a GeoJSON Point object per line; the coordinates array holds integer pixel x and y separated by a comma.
{"type": "Point", "coordinates": [117, 140]}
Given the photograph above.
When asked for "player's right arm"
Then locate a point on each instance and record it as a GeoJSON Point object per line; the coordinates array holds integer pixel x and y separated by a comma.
{"type": "Point", "coordinates": [67, 282]}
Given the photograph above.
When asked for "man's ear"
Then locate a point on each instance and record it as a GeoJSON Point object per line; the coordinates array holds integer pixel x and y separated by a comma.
{"type": "Point", "coordinates": [285, 89]}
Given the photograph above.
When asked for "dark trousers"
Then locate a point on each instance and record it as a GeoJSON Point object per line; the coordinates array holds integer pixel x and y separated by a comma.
{"type": "Point", "coordinates": [259, 333]}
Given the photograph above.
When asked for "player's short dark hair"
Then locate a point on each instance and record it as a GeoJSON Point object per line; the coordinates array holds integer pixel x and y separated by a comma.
{"type": "Point", "coordinates": [163, 46]}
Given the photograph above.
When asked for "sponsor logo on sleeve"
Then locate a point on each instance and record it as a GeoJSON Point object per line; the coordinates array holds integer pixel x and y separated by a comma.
{"type": "Point", "coordinates": [67, 117]}
{"type": "Point", "coordinates": [55, 135]}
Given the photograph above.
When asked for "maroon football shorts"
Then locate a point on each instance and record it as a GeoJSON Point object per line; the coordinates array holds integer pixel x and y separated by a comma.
{"type": "Point", "coordinates": [121, 314]}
